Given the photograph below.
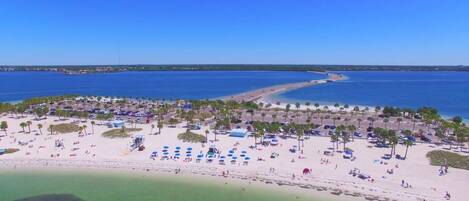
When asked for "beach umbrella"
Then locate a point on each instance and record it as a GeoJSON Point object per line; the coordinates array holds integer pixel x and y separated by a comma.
{"type": "Point", "coordinates": [177, 151]}
{"type": "Point", "coordinates": [177, 154]}
{"type": "Point", "coordinates": [231, 151]}
{"type": "Point", "coordinates": [165, 153]}
{"type": "Point", "coordinates": [222, 157]}
{"type": "Point", "coordinates": [166, 147]}
{"type": "Point", "coordinates": [177, 148]}
{"type": "Point", "coordinates": [189, 148]}
{"type": "Point", "coordinates": [188, 155]}
{"type": "Point", "coordinates": [244, 152]}
{"type": "Point", "coordinates": [246, 158]}
{"type": "Point", "coordinates": [234, 157]}
{"type": "Point", "coordinates": [230, 155]}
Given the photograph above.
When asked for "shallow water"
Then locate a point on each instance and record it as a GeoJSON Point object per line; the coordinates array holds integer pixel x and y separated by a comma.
{"type": "Point", "coordinates": [91, 186]}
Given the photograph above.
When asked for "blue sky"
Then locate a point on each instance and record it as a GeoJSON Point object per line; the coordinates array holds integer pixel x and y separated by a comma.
{"type": "Point", "coordinates": [397, 32]}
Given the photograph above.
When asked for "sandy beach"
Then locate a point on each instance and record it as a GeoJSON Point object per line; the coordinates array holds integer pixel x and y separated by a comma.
{"type": "Point", "coordinates": [263, 93]}
{"type": "Point", "coordinates": [329, 174]}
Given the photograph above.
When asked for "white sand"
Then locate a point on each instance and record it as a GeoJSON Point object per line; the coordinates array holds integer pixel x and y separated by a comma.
{"type": "Point", "coordinates": [115, 154]}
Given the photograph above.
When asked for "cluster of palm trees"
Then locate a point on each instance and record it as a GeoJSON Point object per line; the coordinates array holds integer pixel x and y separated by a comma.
{"type": "Point", "coordinates": [26, 124]}
{"type": "Point", "coordinates": [344, 133]}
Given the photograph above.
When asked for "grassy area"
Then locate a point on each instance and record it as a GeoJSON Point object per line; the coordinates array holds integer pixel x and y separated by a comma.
{"type": "Point", "coordinates": [120, 132]}
{"type": "Point", "coordinates": [64, 128]}
{"type": "Point", "coordinates": [189, 136]}
{"type": "Point", "coordinates": [454, 160]}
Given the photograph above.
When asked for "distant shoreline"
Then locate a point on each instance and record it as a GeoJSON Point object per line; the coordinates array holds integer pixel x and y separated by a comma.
{"type": "Point", "coordinates": [89, 69]}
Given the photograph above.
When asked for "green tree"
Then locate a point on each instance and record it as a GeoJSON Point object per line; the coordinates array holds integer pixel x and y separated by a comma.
{"type": "Point", "coordinates": [351, 129]}
{"type": "Point", "coordinates": [408, 143]}
{"type": "Point", "coordinates": [92, 126]}
{"type": "Point", "coordinates": [29, 123]}
{"type": "Point", "coordinates": [206, 135]}
{"type": "Point", "coordinates": [4, 126]}
{"type": "Point", "coordinates": [256, 135]}
{"type": "Point", "coordinates": [160, 126]}
{"type": "Point", "coordinates": [23, 125]}
{"type": "Point", "coordinates": [299, 134]}
{"type": "Point", "coordinates": [287, 109]}
{"type": "Point", "coordinates": [51, 129]}
{"type": "Point", "coordinates": [39, 126]}
{"type": "Point", "coordinates": [399, 120]}
{"type": "Point", "coordinates": [393, 141]}
{"type": "Point", "coordinates": [386, 120]}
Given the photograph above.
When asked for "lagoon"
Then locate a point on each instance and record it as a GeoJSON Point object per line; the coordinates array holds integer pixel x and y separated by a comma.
{"type": "Point", "coordinates": [114, 186]}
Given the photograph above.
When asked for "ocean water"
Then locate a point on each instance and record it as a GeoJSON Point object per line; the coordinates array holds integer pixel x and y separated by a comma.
{"type": "Point", "coordinates": [162, 85]}
{"type": "Point", "coordinates": [446, 91]}
{"type": "Point", "coordinates": [91, 186]}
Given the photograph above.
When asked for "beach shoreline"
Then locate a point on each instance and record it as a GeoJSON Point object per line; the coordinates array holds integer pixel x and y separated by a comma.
{"type": "Point", "coordinates": [309, 187]}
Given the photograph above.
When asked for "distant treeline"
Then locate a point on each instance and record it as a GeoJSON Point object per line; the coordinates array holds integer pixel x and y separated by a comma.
{"type": "Point", "coordinates": [231, 67]}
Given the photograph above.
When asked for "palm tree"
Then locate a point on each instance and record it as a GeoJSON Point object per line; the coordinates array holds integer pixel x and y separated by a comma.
{"type": "Point", "coordinates": [274, 117]}
{"type": "Point", "coordinates": [299, 134]}
{"type": "Point", "coordinates": [29, 123]}
{"type": "Point", "coordinates": [84, 128]}
{"type": "Point", "coordinates": [206, 135]}
{"type": "Point", "coordinates": [371, 120]}
{"type": "Point", "coordinates": [4, 126]}
{"type": "Point", "coordinates": [151, 129]}
{"type": "Point", "coordinates": [297, 106]}
{"type": "Point", "coordinates": [408, 143]}
{"type": "Point", "coordinates": [23, 125]}
{"type": "Point", "coordinates": [92, 126]}
{"type": "Point", "coordinates": [160, 126]}
{"type": "Point", "coordinates": [263, 115]}
{"type": "Point", "coordinates": [352, 129]}
{"type": "Point", "coordinates": [257, 135]}
{"type": "Point", "coordinates": [51, 128]}
{"type": "Point", "coordinates": [386, 123]}
{"type": "Point", "coordinates": [393, 140]}
{"type": "Point", "coordinates": [399, 120]}
{"type": "Point", "coordinates": [359, 122]}
{"type": "Point", "coordinates": [39, 126]}
{"type": "Point", "coordinates": [334, 139]}
{"type": "Point", "coordinates": [287, 109]}
{"type": "Point", "coordinates": [316, 105]}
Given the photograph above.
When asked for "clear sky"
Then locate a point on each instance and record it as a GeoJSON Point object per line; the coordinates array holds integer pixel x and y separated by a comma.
{"type": "Point", "coordinates": [407, 32]}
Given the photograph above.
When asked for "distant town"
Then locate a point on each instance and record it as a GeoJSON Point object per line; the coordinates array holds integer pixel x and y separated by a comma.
{"type": "Point", "coordinates": [84, 69]}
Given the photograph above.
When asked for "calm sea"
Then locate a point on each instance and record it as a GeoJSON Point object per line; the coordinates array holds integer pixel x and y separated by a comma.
{"type": "Point", "coordinates": [90, 186]}
{"type": "Point", "coordinates": [162, 85]}
{"type": "Point", "coordinates": [446, 91]}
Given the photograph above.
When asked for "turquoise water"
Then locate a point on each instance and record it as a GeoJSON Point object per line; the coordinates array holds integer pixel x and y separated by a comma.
{"type": "Point", "coordinates": [162, 85]}
{"type": "Point", "coordinates": [447, 91]}
{"type": "Point", "coordinates": [122, 187]}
